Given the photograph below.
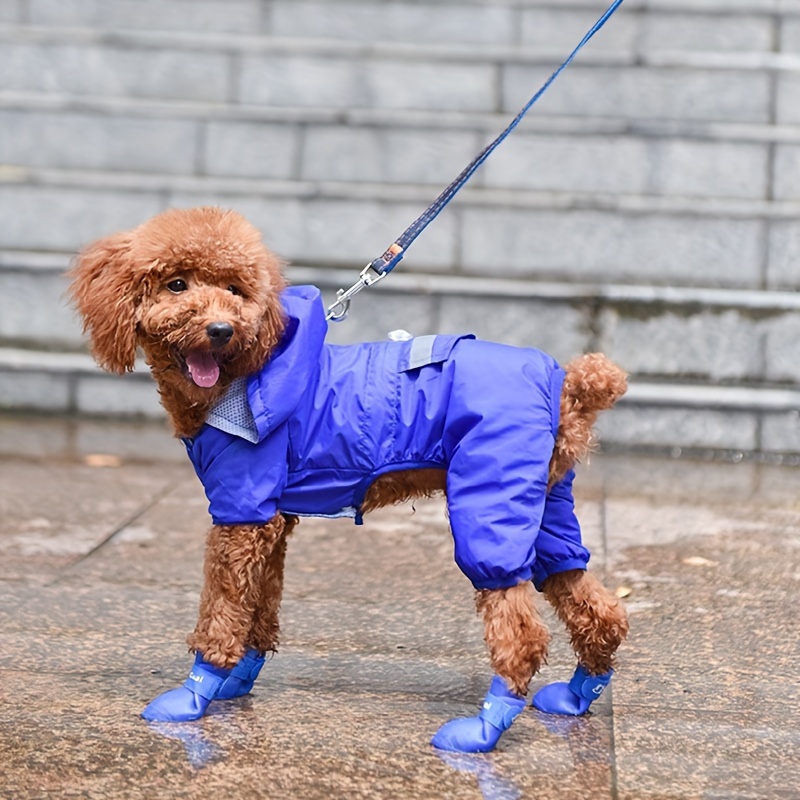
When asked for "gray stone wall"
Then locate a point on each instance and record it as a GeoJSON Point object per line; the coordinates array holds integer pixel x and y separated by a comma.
{"type": "Point", "coordinates": [647, 206]}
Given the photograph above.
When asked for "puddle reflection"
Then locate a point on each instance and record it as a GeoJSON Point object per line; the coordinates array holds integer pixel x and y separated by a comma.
{"type": "Point", "coordinates": [491, 785]}
{"type": "Point", "coordinates": [589, 749]}
{"type": "Point", "coordinates": [200, 750]}
{"type": "Point", "coordinates": [587, 741]}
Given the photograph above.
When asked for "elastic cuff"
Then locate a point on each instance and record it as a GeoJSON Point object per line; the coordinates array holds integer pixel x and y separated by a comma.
{"type": "Point", "coordinates": [204, 682]}
{"type": "Point", "coordinates": [541, 575]}
{"type": "Point", "coordinates": [249, 666]}
{"type": "Point", "coordinates": [498, 710]}
{"type": "Point", "coordinates": [505, 582]}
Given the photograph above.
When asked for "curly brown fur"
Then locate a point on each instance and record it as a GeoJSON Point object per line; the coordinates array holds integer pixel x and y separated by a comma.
{"type": "Point", "coordinates": [515, 635]}
{"type": "Point", "coordinates": [265, 629]}
{"type": "Point", "coordinates": [595, 618]}
{"type": "Point", "coordinates": [398, 487]}
{"type": "Point", "coordinates": [242, 564]}
{"type": "Point", "coordinates": [592, 384]}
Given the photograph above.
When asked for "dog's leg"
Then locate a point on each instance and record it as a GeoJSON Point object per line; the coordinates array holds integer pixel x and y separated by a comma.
{"type": "Point", "coordinates": [236, 562]}
{"type": "Point", "coordinates": [597, 624]}
{"type": "Point", "coordinates": [517, 640]}
{"type": "Point", "coordinates": [235, 559]}
{"type": "Point", "coordinates": [514, 633]}
{"type": "Point", "coordinates": [265, 628]}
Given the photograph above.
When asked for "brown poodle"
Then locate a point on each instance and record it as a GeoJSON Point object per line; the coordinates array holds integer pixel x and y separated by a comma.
{"type": "Point", "coordinates": [227, 343]}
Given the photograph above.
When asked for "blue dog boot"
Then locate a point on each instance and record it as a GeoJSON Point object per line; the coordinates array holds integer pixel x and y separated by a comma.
{"type": "Point", "coordinates": [573, 698]}
{"type": "Point", "coordinates": [480, 734]}
{"type": "Point", "coordinates": [242, 677]}
{"type": "Point", "coordinates": [190, 701]}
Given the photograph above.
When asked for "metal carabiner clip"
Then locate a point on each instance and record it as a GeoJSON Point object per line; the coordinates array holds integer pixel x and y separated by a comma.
{"type": "Point", "coordinates": [337, 312]}
{"type": "Point", "coordinates": [369, 276]}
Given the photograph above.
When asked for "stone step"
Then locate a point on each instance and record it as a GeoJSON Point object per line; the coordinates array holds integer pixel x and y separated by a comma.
{"type": "Point", "coordinates": [743, 86]}
{"type": "Point", "coordinates": [592, 238]}
{"type": "Point", "coordinates": [654, 416]}
{"type": "Point", "coordinates": [722, 337]}
{"type": "Point", "coordinates": [638, 24]}
{"type": "Point", "coordinates": [34, 311]}
{"type": "Point", "coordinates": [544, 154]}
{"type": "Point", "coordinates": [484, 123]}
{"type": "Point", "coordinates": [71, 383]}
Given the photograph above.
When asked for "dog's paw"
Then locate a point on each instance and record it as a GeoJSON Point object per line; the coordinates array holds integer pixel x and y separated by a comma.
{"type": "Point", "coordinates": [556, 698]}
{"type": "Point", "coordinates": [573, 698]}
{"type": "Point", "coordinates": [480, 734]}
{"type": "Point", "coordinates": [176, 705]}
{"type": "Point", "coordinates": [204, 684]}
{"type": "Point", "coordinates": [467, 735]}
{"type": "Point", "coordinates": [243, 675]}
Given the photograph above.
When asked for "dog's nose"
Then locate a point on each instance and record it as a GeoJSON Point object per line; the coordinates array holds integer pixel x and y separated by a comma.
{"type": "Point", "coordinates": [219, 333]}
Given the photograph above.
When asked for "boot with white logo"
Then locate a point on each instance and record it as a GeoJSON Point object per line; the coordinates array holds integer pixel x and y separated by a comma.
{"type": "Point", "coordinates": [480, 734]}
{"type": "Point", "coordinates": [204, 684]}
{"type": "Point", "coordinates": [573, 698]}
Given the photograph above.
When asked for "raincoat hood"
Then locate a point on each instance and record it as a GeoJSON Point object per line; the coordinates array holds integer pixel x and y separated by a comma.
{"type": "Point", "coordinates": [292, 371]}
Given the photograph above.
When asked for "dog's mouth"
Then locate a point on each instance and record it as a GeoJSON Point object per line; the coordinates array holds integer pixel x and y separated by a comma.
{"type": "Point", "coordinates": [202, 368]}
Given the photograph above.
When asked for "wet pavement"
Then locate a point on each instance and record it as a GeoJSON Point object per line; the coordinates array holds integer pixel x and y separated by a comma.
{"type": "Point", "coordinates": [101, 537]}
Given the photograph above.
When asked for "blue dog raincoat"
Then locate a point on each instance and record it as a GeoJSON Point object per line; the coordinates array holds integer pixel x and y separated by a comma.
{"type": "Point", "coordinates": [311, 431]}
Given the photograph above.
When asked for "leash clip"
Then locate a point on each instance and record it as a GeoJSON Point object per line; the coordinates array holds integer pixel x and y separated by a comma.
{"type": "Point", "coordinates": [375, 271]}
{"type": "Point", "coordinates": [369, 276]}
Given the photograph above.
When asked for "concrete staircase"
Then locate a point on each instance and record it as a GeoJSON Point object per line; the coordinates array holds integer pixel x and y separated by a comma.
{"type": "Point", "coordinates": [648, 206]}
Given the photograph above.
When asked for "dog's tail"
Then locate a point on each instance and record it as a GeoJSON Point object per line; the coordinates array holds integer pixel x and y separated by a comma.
{"type": "Point", "coordinates": [592, 384]}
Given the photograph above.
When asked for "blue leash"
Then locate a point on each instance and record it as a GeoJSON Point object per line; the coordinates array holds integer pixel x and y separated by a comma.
{"type": "Point", "coordinates": [379, 268]}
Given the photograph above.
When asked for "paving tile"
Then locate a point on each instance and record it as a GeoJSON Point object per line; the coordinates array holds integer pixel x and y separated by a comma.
{"type": "Point", "coordinates": [381, 642]}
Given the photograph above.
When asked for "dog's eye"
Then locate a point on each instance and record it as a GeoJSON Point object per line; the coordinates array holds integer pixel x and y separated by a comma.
{"type": "Point", "coordinates": [177, 286]}
{"type": "Point", "coordinates": [235, 290]}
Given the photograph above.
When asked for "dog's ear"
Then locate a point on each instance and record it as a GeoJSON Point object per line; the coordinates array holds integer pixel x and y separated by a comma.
{"type": "Point", "coordinates": [269, 269]}
{"type": "Point", "coordinates": [104, 290]}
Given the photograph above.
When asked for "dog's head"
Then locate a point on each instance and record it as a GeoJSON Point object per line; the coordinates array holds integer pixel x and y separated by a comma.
{"type": "Point", "coordinates": [196, 289]}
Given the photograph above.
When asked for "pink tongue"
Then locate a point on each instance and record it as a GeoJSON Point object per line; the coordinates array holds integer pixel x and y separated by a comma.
{"type": "Point", "coordinates": [203, 368]}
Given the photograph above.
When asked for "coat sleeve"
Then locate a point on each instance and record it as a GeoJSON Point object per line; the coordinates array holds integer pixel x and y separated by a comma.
{"type": "Point", "coordinates": [496, 489]}
{"type": "Point", "coordinates": [502, 417]}
{"type": "Point", "coordinates": [243, 481]}
{"type": "Point", "coordinates": [559, 544]}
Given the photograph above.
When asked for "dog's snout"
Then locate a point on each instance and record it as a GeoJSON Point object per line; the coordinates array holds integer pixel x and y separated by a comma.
{"type": "Point", "coordinates": [219, 333]}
